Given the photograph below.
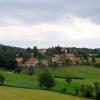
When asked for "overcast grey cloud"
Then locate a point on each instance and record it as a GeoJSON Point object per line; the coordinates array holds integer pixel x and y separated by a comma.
{"type": "Point", "coordinates": [48, 10]}
{"type": "Point", "coordinates": [50, 22]}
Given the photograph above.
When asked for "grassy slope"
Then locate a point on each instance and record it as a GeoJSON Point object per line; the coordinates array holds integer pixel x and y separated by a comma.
{"type": "Point", "coordinates": [90, 74]}
{"type": "Point", "coordinates": [7, 93]}
{"type": "Point", "coordinates": [20, 80]}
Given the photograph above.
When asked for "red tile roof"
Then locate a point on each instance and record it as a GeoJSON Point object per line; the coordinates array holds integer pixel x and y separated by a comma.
{"type": "Point", "coordinates": [32, 61]}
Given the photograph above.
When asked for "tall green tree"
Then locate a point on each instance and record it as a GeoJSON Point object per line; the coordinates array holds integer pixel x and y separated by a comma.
{"type": "Point", "coordinates": [46, 79]}
{"type": "Point", "coordinates": [2, 79]}
{"type": "Point", "coordinates": [93, 60]}
{"type": "Point", "coordinates": [35, 51]}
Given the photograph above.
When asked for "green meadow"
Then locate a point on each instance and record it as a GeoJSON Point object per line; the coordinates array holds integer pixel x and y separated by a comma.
{"type": "Point", "coordinates": [90, 75]}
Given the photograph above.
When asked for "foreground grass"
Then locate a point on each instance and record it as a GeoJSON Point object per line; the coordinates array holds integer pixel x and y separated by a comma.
{"type": "Point", "coordinates": [8, 93]}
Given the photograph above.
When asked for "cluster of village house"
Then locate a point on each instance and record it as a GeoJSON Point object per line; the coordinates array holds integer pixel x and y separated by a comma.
{"type": "Point", "coordinates": [32, 61]}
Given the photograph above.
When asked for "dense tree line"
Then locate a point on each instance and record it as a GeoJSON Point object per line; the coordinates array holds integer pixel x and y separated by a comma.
{"type": "Point", "coordinates": [8, 55]}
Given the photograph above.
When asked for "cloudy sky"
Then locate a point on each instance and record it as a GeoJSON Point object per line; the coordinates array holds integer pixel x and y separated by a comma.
{"type": "Point", "coordinates": [47, 23]}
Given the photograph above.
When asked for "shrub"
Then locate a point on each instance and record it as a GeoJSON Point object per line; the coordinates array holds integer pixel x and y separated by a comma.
{"type": "Point", "coordinates": [46, 79]}
{"type": "Point", "coordinates": [28, 71]}
{"type": "Point", "coordinates": [67, 62]}
{"type": "Point", "coordinates": [97, 90]}
{"type": "Point", "coordinates": [17, 70]}
{"type": "Point", "coordinates": [97, 65]}
{"type": "Point", "coordinates": [2, 79]}
{"type": "Point", "coordinates": [76, 90]}
{"type": "Point", "coordinates": [86, 90]}
{"type": "Point", "coordinates": [98, 93]}
{"type": "Point", "coordinates": [64, 90]}
{"type": "Point", "coordinates": [69, 80]}
{"type": "Point", "coordinates": [31, 71]}
{"type": "Point", "coordinates": [96, 84]}
{"type": "Point", "coordinates": [82, 88]}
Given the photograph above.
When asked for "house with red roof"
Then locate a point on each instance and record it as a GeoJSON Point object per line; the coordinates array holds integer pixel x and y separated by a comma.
{"type": "Point", "coordinates": [44, 62]}
{"type": "Point", "coordinates": [56, 58]}
{"type": "Point", "coordinates": [31, 62]}
{"type": "Point", "coordinates": [74, 59]}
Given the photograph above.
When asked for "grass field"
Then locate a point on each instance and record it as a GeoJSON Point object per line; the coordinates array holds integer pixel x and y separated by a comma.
{"type": "Point", "coordinates": [90, 74]}
{"type": "Point", "coordinates": [8, 93]}
{"type": "Point", "coordinates": [19, 80]}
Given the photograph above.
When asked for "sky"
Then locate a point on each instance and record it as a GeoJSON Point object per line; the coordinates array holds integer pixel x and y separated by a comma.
{"type": "Point", "coordinates": [47, 23]}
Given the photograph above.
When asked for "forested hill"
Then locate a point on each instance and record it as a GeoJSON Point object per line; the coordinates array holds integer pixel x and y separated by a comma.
{"type": "Point", "coordinates": [11, 49]}
{"type": "Point", "coordinates": [97, 48]}
{"type": "Point", "coordinates": [7, 56]}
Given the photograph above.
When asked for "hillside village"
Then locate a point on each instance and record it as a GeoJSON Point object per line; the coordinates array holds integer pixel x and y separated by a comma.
{"type": "Point", "coordinates": [55, 58]}
{"type": "Point", "coordinates": [66, 57]}
{"type": "Point", "coordinates": [51, 57]}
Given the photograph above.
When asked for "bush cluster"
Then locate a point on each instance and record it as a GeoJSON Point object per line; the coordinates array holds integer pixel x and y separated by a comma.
{"type": "Point", "coordinates": [2, 79]}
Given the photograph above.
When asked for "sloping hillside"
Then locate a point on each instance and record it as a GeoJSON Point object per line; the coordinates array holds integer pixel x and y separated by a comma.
{"type": "Point", "coordinates": [7, 93]}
